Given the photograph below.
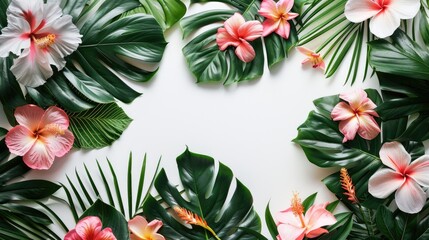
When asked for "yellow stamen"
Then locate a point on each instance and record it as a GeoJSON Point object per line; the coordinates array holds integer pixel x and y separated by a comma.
{"type": "Point", "coordinates": [297, 208]}
{"type": "Point", "coordinates": [53, 128]}
{"type": "Point", "coordinates": [44, 42]}
{"type": "Point", "coordinates": [347, 185]}
{"type": "Point", "coordinates": [193, 219]}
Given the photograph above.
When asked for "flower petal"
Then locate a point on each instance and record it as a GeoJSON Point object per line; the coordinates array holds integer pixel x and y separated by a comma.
{"type": "Point", "coordinates": [154, 226]}
{"type": "Point", "coordinates": [245, 52]}
{"type": "Point", "coordinates": [32, 68]}
{"type": "Point", "coordinates": [384, 23]}
{"type": "Point", "coordinates": [287, 217]}
{"type": "Point", "coordinates": [367, 106]}
{"type": "Point", "coordinates": [318, 217]}
{"type": "Point", "coordinates": [289, 232]}
{"type": "Point", "coordinates": [29, 116]}
{"type": "Point", "coordinates": [105, 234]}
{"type": "Point", "coordinates": [269, 26]}
{"type": "Point", "coordinates": [137, 226]}
{"type": "Point", "coordinates": [284, 29]}
{"type": "Point", "coordinates": [368, 127]}
{"type": "Point", "coordinates": [419, 170]}
{"type": "Point", "coordinates": [316, 232]}
{"type": "Point", "coordinates": [284, 6]}
{"type": "Point", "coordinates": [268, 9]}
{"type": "Point", "coordinates": [405, 9]}
{"type": "Point", "coordinates": [360, 10]}
{"type": "Point", "coordinates": [19, 140]}
{"type": "Point", "coordinates": [384, 182]}
{"type": "Point", "coordinates": [355, 97]}
{"type": "Point", "coordinates": [13, 37]}
{"type": "Point", "coordinates": [410, 197]}
{"type": "Point", "coordinates": [250, 30]}
{"type": "Point", "coordinates": [158, 236]}
{"type": "Point", "coordinates": [72, 235]}
{"type": "Point", "coordinates": [60, 144]}
{"type": "Point", "coordinates": [55, 116]}
{"type": "Point", "coordinates": [342, 111]}
{"type": "Point", "coordinates": [348, 128]}
{"type": "Point", "coordinates": [88, 227]}
{"type": "Point", "coordinates": [39, 156]}
{"type": "Point", "coordinates": [224, 40]}
{"type": "Point", "coordinates": [305, 51]}
{"type": "Point", "coordinates": [394, 155]}
{"type": "Point", "coordinates": [233, 23]}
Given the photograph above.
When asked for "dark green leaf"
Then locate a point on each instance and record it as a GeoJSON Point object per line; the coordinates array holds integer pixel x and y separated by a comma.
{"type": "Point", "coordinates": [73, 7]}
{"type": "Point", "coordinates": [341, 229]}
{"type": "Point", "coordinates": [31, 189]}
{"type": "Point", "coordinates": [3, 132]}
{"type": "Point", "coordinates": [309, 201]}
{"type": "Point", "coordinates": [271, 224]}
{"type": "Point", "coordinates": [98, 127]}
{"type": "Point", "coordinates": [423, 26]}
{"type": "Point", "coordinates": [386, 222]}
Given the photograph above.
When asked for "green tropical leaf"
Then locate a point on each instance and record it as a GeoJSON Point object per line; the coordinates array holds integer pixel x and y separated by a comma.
{"type": "Point", "coordinates": [110, 217]}
{"type": "Point", "coordinates": [271, 224]}
{"type": "Point", "coordinates": [3, 132]}
{"type": "Point", "coordinates": [166, 12]}
{"type": "Point", "coordinates": [206, 195]}
{"type": "Point", "coordinates": [30, 189]}
{"type": "Point", "coordinates": [341, 229]}
{"type": "Point", "coordinates": [386, 222]}
{"type": "Point", "coordinates": [98, 127]}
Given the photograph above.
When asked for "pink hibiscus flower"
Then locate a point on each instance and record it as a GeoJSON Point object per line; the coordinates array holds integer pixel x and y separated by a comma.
{"type": "Point", "coordinates": [277, 16]}
{"type": "Point", "coordinates": [237, 33]}
{"type": "Point", "coordinates": [385, 15]}
{"type": "Point", "coordinates": [314, 58]}
{"type": "Point", "coordinates": [403, 176]}
{"type": "Point", "coordinates": [90, 228]}
{"type": "Point", "coordinates": [356, 116]}
{"type": "Point", "coordinates": [44, 34]}
{"type": "Point", "coordinates": [40, 136]}
{"type": "Point", "coordinates": [140, 229]}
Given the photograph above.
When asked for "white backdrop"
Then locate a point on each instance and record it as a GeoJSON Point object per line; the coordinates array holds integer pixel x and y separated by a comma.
{"type": "Point", "coordinates": [248, 127]}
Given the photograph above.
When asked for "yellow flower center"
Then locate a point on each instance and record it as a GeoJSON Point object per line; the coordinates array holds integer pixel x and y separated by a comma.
{"type": "Point", "coordinates": [53, 129]}
{"type": "Point", "coordinates": [45, 41]}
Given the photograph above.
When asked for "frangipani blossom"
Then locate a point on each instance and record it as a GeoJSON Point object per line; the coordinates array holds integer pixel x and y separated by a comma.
{"type": "Point", "coordinates": [312, 57]}
{"type": "Point", "coordinates": [277, 16]}
{"type": "Point", "coordinates": [356, 116]}
{"type": "Point", "coordinates": [140, 229]}
{"type": "Point", "coordinates": [41, 36]}
{"type": "Point", "coordinates": [238, 33]}
{"type": "Point", "coordinates": [385, 14]}
{"type": "Point", "coordinates": [40, 136]}
{"type": "Point", "coordinates": [292, 224]}
{"type": "Point", "coordinates": [90, 228]}
{"type": "Point", "coordinates": [403, 176]}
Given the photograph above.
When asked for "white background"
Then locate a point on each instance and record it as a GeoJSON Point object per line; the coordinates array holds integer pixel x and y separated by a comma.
{"type": "Point", "coordinates": [248, 127]}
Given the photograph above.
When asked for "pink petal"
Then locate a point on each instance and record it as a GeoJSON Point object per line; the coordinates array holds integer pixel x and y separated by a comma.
{"type": "Point", "coordinates": [316, 232]}
{"type": "Point", "coordinates": [269, 27]}
{"type": "Point", "coordinates": [360, 10]}
{"type": "Point", "coordinates": [368, 127]}
{"type": "Point", "coordinates": [384, 23]}
{"type": "Point", "coordinates": [154, 226]}
{"type": "Point", "coordinates": [405, 9]}
{"type": "Point", "coordinates": [419, 170]}
{"type": "Point", "coordinates": [342, 111]}
{"type": "Point", "coordinates": [39, 156]}
{"type": "Point", "coordinates": [60, 144]}
{"type": "Point", "coordinates": [367, 106]}
{"type": "Point", "coordinates": [157, 236]}
{"type": "Point", "coordinates": [322, 65]}
{"type": "Point", "coordinates": [318, 217]}
{"type": "Point", "coordinates": [355, 97]}
{"type": "Point", "coordinates": [394, 155]}
{"type": "Point", "coordinates": [291, 15]}
{"type": "Point", "coordinates": [268, 9]}
{"type": "Point", "coordinates": [284, 6]}
{"type": "Point", "coordinates": [105, 234]}
{"type": "Point", "coordinates": [289, 232]}
{"type": "Point", "coordinates": [56, 116]}
{"type": "Point", "coordinates": [284, 29]}
{"type": "Point", "coordinates": [137, 226]}
{"type": "Point", "coordinates": [305, 51]}
{"type": "Point", "coordinates": [287, 217]}
{"type": "Point", "coordinates": [88, 227]}
{"type": "Point", "coordinates": [19, 140]}
{"type": "Point", "coordinates": [72, 235]}
{"type": "Point", "coordinates": [245, 52]}
{"type": "Point", "coordinates": [250, 30]}
{"type": "Point", "coordinates": [233, 24]}
{"type": "Point", "coordinates": [410, 197]}
{"type": "Point", "coordinates": [348, 128]}
{"type": "Point", "coordinates": [29, 116]}
{"type": "Point", "coordinates": [224, 40]}
{"type": "Point", "coordinates": [384, 182]}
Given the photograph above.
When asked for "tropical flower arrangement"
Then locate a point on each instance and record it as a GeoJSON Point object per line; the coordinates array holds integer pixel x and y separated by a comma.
{"type": "Point", "coordinates": [66, 63]}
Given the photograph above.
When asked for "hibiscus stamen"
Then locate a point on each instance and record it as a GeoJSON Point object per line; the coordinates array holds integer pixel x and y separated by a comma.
{"type": "Point", "coordinates": [55, 129]}
{"type": "Point", "coordinates": [45, 41]}
{"type": "Point", "coordinates": [297, 208]}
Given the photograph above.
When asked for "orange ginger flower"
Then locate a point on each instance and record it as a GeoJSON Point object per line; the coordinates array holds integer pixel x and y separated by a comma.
{"type": "Point", "coordinates": [193, 219]}
{"type": "Point", "coordinates": [347, 185]}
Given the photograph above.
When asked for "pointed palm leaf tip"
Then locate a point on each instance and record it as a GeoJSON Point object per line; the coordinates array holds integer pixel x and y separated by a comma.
{"type": "Point", "coordinates": [41, 36]}
{"type": "Point", "coordinates": [347, 185]}
{"type": "Point", "coordinates": [193, 219]}
{"type": "Point", "coordinates": [385, 15]}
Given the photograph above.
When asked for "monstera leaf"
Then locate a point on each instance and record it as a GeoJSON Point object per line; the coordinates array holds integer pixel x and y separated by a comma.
{"type": "Point", "coordinates": [209, 64]}
{"type": "Point", "coordinates": [205, 194]}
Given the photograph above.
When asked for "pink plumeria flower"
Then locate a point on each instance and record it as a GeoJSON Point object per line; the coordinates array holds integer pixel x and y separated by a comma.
{"type": "Point", "coordinates": [140, 229]}
{"type": "Point", "coordinates": [356, 116]}
{"type": "Point", "coordinates": [237, 33]}
{"type": "Point", "coordinates": [277, 16]}
{"type": "Point", "coordinates": [41, 36]}
{"type": "Point", "coordinates": [385, 14]}
{"type": "Point", "coordinates": [314, 58]}
{"type": "Point", "coordinates": [403, 176]}
{"type": "Point", "coordinates": [90, 228]}
{"type": "Point", "coordinates": [40, 136]}
{"type": "Point", "coordinates": [292, 224]}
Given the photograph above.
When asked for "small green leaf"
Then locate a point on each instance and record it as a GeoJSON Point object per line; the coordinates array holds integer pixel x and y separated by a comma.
{"type": "Point", "coordinates": [271, 224]}
{"type": "Point", "coordinates": [3, 132]}
{"type": "Point", "coordinates": [98, 127]}
{"type": "Point", "coordinates": [309, 201]}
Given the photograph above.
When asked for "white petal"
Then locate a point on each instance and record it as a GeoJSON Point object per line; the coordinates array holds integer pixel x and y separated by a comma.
{"type": "Point", "coordinates": [51, 12]}
{"type": "Point", "coordinates": [394, 155]}
{"type": "Point", "coordinates": [360, 10]}
{"type": "Point", "coordinates": [67, 36]}
{"type": "Point", "coordinates": [30, 9]}
{"type": "Point", "coordinates": [405, 9]}
{"type": "Point", "coordinates": [419, 170]}
{"type": "Point", "coordinates": [12, 39]}
{"type": "Point", "coordinates": [384, 23]}
{"type": "Point", "coordinates": [410, 198]}
{"type": "Point", "coordinates": [32, 68]}
{"type": "Point", "coordinates": [384, 182]}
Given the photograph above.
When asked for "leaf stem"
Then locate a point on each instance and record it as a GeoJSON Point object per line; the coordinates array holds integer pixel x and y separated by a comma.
{"type": "Point", "coordinates": [212, 232]}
